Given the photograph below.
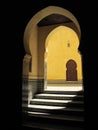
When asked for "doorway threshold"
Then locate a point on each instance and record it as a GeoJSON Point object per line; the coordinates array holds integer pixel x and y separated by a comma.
{"type": "Point", "coordinates": [63, 88]}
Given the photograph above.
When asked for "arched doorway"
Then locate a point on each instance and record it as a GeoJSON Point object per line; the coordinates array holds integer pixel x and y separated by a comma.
{"type": "Point", "coordinates": [57, 53]}
{"type": "Point", "coordinates": [71, 72]}
{"type": "Point", "coordinates": [35, 34]}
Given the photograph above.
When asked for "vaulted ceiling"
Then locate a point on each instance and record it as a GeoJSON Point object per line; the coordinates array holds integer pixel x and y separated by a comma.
{"type": "Point", "coordinates": [54, 19]}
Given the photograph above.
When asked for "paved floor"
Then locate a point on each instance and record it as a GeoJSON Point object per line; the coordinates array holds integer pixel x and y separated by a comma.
{"type": "Point", "coordinates": [64, 88]}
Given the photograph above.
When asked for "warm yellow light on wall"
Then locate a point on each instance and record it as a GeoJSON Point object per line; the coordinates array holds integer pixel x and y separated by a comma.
{"type": "Point", "coordinates": [62, 45]}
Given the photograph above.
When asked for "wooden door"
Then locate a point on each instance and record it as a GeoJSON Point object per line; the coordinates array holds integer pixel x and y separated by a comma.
{"type": "Point", "coordinates": [71, 72]}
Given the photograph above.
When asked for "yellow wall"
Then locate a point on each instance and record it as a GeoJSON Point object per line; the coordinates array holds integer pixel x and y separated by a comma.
{"type": "Point", "coordinates": [32, 40]}
{"type": "Point", "coordinates": [58, 52]}
{"type": "Point", "coordinates": [42, 34]}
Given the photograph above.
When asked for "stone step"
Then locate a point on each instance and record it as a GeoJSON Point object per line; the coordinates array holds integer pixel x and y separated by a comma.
{"type": "Point", "coordinates": [65, 92]}
{"type": "Point", "coordinates": [53, 121]}
{"type": "Point", "coordinates": [50, 125]}
{"type": "Point", "coordinates": [59, 117]}
{"type": "Point", "coordinates": [59, 96]}
{"type": "Point", "coordinates": [65, 108]}
{"type": "Point", "coordinates": [56, 110]}
{"type": "Point", "coordinates": [56, 102]}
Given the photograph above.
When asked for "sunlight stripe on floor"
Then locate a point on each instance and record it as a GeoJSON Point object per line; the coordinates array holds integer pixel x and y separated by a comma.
{"type": "Point", "coordinates": [51, 100]}
{"type": "Point", "coordinates": [45, 107]}
{"type": "Point", "coordinates": [39, 113]}
{"type": "Point", "coordinates": [56, 95]}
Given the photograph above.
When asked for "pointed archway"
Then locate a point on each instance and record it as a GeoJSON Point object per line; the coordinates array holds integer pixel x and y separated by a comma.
{"type": "Point", "coordinates": [34, 43]}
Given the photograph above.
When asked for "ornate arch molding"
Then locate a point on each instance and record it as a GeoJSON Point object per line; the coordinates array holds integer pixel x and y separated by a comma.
{"type": "Point", "coordinates": [31, 26]}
